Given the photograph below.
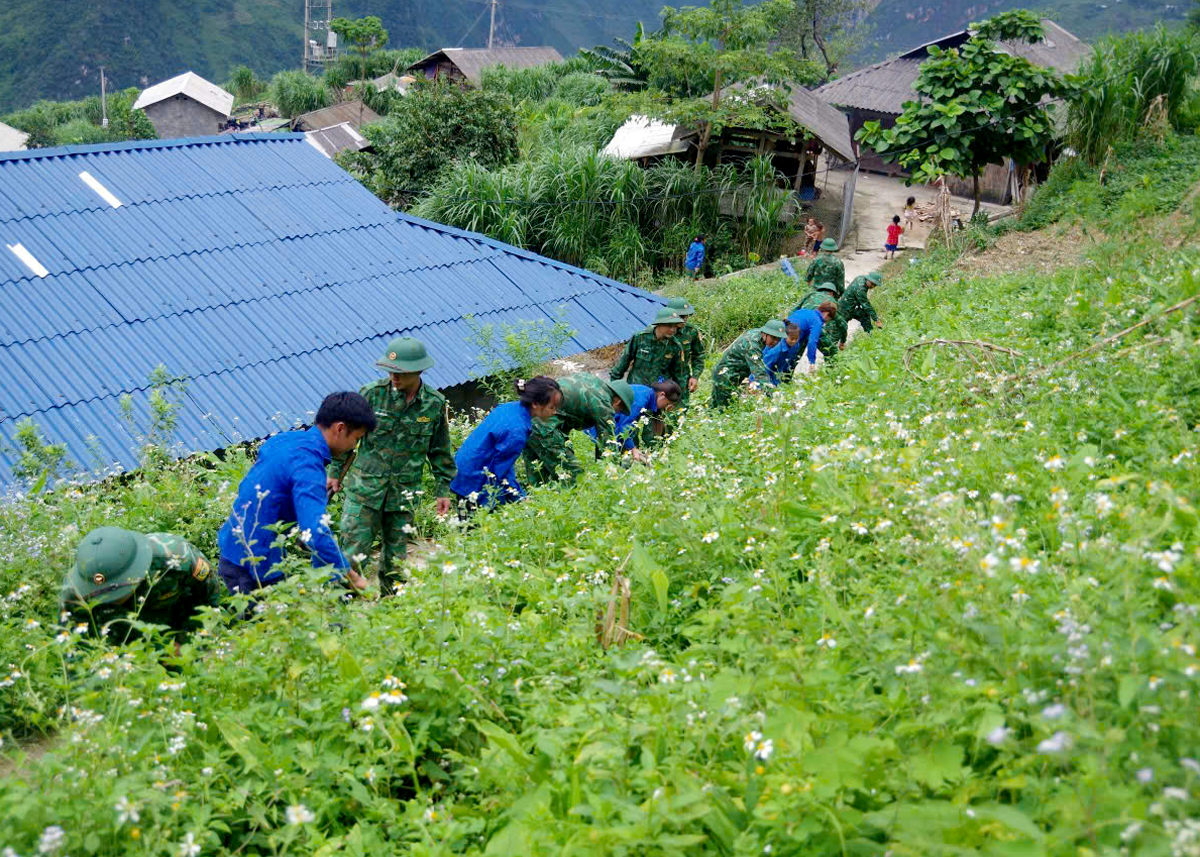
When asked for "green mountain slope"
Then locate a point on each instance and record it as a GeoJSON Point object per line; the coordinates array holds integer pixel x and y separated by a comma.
{"type": "Point", "coordinates": [899, 25]}
{"type": "Point", "coordinates": [54, 50]}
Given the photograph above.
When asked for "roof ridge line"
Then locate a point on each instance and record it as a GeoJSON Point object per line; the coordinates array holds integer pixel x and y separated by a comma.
{"type": "Point", "coordinates": [138, 145]}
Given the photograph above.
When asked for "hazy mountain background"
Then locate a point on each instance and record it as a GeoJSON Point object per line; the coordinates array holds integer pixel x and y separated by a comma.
{"type": "Point", "coordinates": [53, 48]}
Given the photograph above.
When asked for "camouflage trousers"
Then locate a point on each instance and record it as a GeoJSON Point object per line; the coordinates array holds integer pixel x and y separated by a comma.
{"type": "Point", "coordinates": [722, 395]}
{"type": "Point", "coordinates": [360, 526]}
{"type": "Point", "coordinates": [547, 453]}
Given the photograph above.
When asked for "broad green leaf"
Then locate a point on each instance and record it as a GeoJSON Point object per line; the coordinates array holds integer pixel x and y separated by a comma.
{"type": "Point", "coordinates": [505, 741]}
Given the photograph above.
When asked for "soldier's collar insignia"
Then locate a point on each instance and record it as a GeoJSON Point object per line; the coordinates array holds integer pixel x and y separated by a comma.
{"type": "Point", "coordinates": [422, 419]}
{"type": "Point", "coordinates": [98, 578]}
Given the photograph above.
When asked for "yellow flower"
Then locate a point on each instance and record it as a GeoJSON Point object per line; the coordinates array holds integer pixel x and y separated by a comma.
{"type": "Point", "coordinates": [136, 833]}
{"type": "Point", "coordinates": [786, 789]}
{"type": "Point", "coordinates": [760, 770]}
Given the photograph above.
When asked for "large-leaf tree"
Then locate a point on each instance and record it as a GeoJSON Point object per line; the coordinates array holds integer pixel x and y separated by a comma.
{"type": "Point", "coordinates": [978, 105]}
{"type": "Point", "coordinates": [728, 43]}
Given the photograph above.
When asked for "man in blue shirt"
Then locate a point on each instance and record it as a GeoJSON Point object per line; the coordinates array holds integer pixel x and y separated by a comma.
{"type": "Point", "coordinates": [288, 485]}
{"type": "Point", "coordinates": [693, 263]}
{"type": "Point", "coordinates": [649, 401]}
{"type": "Point", "coordinates": [781, 358]}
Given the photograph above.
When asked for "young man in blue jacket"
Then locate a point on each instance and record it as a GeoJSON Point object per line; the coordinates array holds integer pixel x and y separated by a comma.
{"type": "Point", "coordinates": [693, 264]}
{"type": "Point", "coordinates": [288, 486]}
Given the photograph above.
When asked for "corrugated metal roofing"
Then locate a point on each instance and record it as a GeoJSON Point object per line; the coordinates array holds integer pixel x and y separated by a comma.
{"type": "Point", "coordinates": [337, 138]}
{"type": "Point", "coordinates": [472, 61]}
{"type": "Point", "coordinates": [643, 137]}
{"type": "Point", "coordinates": [354, 112]}
{"type": "Point", "coordinates": [885, 86]}
{"type": "Point", "coordinates": [256, 269]}
{"type": "Point", "coordinates": [193, 86]}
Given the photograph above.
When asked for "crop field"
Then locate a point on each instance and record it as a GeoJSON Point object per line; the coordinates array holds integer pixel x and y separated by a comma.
{"type": "Point", "coordinates": [937, 599]}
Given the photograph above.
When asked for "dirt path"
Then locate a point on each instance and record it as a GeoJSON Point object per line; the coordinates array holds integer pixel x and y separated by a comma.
{"type": "Point", "coordinates": [20, 755]}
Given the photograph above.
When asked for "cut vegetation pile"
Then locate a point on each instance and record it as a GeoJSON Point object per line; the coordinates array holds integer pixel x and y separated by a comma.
{"type": "Point", "coordinates": [948, 608]}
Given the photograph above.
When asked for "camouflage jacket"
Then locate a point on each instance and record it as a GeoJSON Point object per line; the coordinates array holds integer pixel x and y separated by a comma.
{"type": "Point", "coordinates": [826, 268]}
{"type": "Point", "coordinates": [741, 360]}
{"type": "Point", "coordinates": [834, 332]}
{"type": "Point", "coordinates": [692, 346]}
{"type": "Point", "coordinates": [856, 304]}
{"type": "Point", "coordinates": [391, 460]}
{"type": "Point", "coordinates": [586, 403]}
{"type": "Point", "coordinates": [179, 580]}
{"type": "Point", "coordinates": [647, 359]}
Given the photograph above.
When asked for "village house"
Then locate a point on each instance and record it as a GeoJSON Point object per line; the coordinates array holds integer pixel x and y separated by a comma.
{"type": "Point", "coordinates": [878, 93]}
{"type": "Point", "coordinates": [353, 113]}
{"type": "Point", "coordinates": [185, 106]}
{"type": "Point", "coordinates": [12, 140]}
{"type": "Point", "coordinates": [467, 64]}
{"type": "Point", "coordinates": [257, 272]}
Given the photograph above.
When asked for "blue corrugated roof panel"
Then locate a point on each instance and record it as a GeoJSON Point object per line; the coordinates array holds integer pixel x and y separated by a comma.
{"type": "Point", "coordinates": [256, 270]}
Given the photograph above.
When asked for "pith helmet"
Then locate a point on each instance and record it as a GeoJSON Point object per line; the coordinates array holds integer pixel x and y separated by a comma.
{"type": "Point", "coordinates": [109, 564]}
{"type": "Point", "coordinates": [775, 328]}
{"type": "Point", "coordinates": [405, 354]}
{"type": "Point", "coordinates": [875, 277]}
{"type": "Point", "coordinates": [666, 315]}
{"type": "Point", "coordinates": [622, 389]}
{"type": "Point", "coordinates": [828, 287]}
{"type": "Point", "coordinates": [681, 306]}
{"type": "Point", "coordinates": [829, 244]}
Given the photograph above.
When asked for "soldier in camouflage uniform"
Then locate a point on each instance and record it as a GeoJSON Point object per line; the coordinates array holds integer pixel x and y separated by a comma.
{"type": "Point", "coordinates": [384, 481]}
{"type": "Point", "coordinates": [827, 268]}
{"type": "Point", "coordinates": [653, 354]}
{"type": "Point", "coordinates": [588, 401]}
{"type": "Point", "coordinates": [833, 334]}
{"type": "Point", "coordinates": [692, 347]}
{"type": "Point", "coordinates": [744, 359]}
{"type": "Point", "coordinates": [856, 303]}
{"type": "Point", "coordinates": [118, 574]}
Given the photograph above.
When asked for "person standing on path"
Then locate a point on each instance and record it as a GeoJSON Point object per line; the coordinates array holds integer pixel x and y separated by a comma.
{"type": "Point", "coordinates": [691, 345]}
{"type": "Point", "coordinates": [744, 359]}
{"type": "Point", "coordinates": [288, 485]}
{"type": "Point", "coordinates": [486, 462]}
{"type": "Point", "coordinates": [827, 268]}
{"type": "Point", "coordinates": [118, 574]}
{"type": "Point", "coordinates": [588, 401]}
{"type": "Point", "coordinates": [693, 263]}
{"type": "Point", "coordinates": [855, 304]}
{"type": "Point", "coordinates": [892, 243]}
{"type": "Point", "coordinates": [653, 354]}
{"type": "Point", "coordinates": [383, 479]}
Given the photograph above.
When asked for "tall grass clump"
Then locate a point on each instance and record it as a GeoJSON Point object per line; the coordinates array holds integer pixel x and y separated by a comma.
{"type": "Point", "coordinates": [610, 215]}
{"type": "Point", "coordinates": [297, 92]}
{"type": "Point", "coordinates": [1122, 81]}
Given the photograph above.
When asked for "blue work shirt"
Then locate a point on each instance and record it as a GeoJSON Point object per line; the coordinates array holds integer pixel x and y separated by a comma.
{"type": "Point", "coordinates": [810, 323]}
{"type": "Point", "coordinates": [781, 359]}
{"type": "Point", "coordinates": [695, 257]}
{"type": "Point", "coordinates": [487, 459]}
{"type": "Point", "coordinates": [644, 399]}
{"type": "Point", "coordinates": [286, 485]}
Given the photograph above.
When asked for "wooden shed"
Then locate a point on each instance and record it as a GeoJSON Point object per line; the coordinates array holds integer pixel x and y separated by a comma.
{"type": "Point", "coordinates": [467, 64]}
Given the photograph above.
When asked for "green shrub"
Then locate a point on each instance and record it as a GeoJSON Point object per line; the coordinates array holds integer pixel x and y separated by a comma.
{"type": "Point", "coordinates": [582, 88]}
{"type": "Point", "coordinates": [296, 92]}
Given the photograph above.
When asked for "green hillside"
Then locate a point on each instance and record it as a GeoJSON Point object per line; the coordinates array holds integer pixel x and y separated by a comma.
{"type": "Point", "coordinates": [54, 50]}
{"type": "Point", "coordinates": [899, 25]}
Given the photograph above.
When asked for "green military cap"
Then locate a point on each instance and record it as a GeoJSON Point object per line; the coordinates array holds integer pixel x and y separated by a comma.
{"type": "Point", "coordinates": [775, 328]}
{"type": "Point", "coordinates": [827, 287]}
{"type": "Point", "coordinates": [875, 277]}
{"type": "Point", "coordinates": [666, 315]}
{"type": "Point", "coordinates": [829, 244]}
{"type": "Point", "coordinates": [109, 564]}
{"type": "Point", "coordinates": [681, 306]}
{"type": "Point", "coordinates": [625, 391]}
{"type": "Point", "coordinates": [405, 354]}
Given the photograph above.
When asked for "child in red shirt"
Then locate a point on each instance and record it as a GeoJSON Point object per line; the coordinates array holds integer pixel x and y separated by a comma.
{"type": "Point", "coordinates": [895, 230]}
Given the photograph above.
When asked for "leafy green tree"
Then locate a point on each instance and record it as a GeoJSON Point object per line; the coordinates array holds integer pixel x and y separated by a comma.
{"type": "Point", "coordinates": [978, 106]}
{"type": "Point", "coordinates": [429, 129]}
{"type": "Point", "coordinates": [825, 31]}
{"type": "Point", "coordinates": [732, 43]}
{"type": "Point", "coordinates": [621, 66]}
{"type": "Point", "coordinates": [367, 35]}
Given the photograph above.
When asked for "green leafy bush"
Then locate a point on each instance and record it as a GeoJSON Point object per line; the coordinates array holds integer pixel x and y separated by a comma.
{"type": "Point", "coordinates": [297, 92]}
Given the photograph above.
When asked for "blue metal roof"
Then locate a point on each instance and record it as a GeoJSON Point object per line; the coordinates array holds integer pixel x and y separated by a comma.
{"type": "Point", "coordinates": [254, 267]}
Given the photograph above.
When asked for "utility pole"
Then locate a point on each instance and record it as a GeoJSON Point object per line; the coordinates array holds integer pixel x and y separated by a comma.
{"type": "Point", "coordinates": [492, 27]}
{"type": "Point", "coordinates": [103, 101]}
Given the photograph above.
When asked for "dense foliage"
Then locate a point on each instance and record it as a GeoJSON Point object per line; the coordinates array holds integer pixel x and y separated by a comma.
{"type": "Point", "coordinates": [64, 123]}
{"type": "Point", "coordinates": [946, 610]}
{"type": "Point", "coordinates": [297, 92]}
{"type": "Point", "coordinates": [1131, 82]}
{"type": "Point", "coordinates": [431, 130]}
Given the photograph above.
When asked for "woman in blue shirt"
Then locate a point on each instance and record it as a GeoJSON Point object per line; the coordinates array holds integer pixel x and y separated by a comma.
{"type": "Point", "coordinates": [810, 322]}
{"type": "Point", "coordinates": [486, 461]}
{"type": "Point", "coordinates": [781, 358]}
{"type": "Point", "coordinates": [652, 400]}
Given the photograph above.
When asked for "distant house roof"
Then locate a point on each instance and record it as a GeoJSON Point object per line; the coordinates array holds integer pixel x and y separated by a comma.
{"type": "Point", "coordinates": [472, 61]}
{"type": "Point", "coordinates": [345, 111]}
{"type": "Point", "coordinates": [885, 86]}
{"type": "Point", "coordinates": [398, 82]}
{"type": "Point", "coordinates": [193, 86]}
{"type": "Point", "coordinates": [256, 269]}
{"type": "Point", "coordinates": [11, 140]}
{"type": "Point", "coordinates": [642, 137]}
{"type": "Point", "coordinates": [337, 138]}
{"type": "Point", "coordinates": [825, 122]}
